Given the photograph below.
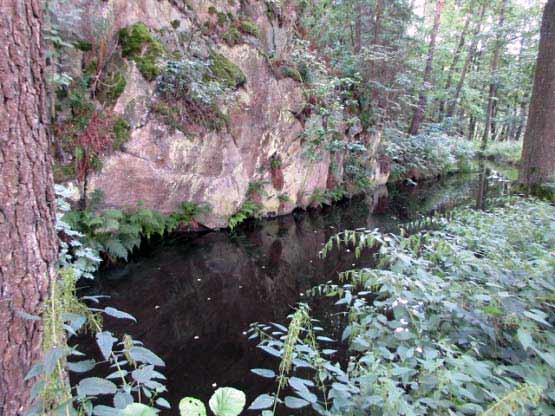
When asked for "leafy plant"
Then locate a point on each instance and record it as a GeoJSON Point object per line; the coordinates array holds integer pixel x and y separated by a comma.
{"type": "Point", "coordinates": [455, 320]}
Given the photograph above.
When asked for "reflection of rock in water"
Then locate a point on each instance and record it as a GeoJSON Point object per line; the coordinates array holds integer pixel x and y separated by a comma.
{"type": "Point", "coordinates": [193, 300]}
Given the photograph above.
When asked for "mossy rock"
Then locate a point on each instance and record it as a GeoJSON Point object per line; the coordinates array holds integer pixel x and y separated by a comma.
{"type": "Point", "coordinates": [226, 72]}
{"type": "Point", "coordinates": [248, 27]}
{"type": "Point", "coordinates": [139, 44]}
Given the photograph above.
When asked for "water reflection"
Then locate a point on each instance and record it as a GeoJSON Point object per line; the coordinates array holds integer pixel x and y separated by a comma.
{"type": "Point", "coordinates": [194, 297]}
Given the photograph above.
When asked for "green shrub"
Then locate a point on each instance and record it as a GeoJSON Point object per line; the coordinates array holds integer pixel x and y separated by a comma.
{"type": "Point", "coordinates": [83, 45]}
{"type": "Point", "coordinates": [291, 72]}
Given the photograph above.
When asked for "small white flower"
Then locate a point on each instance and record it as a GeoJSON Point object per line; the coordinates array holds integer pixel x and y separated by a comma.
{"type": "Point", "coordinates": [418, 349]}
{"type": "Point", "coordinates": [199, 280]}
{"type": "Point", "coordinates": [157, 307]}
{"type": "Point", "coordinates": [403, 301]}
{"type": "Point", "coordinates": [397, 330]}
{"type": "Point", "coordinates": [208, 298]}
{"type": "Point", "coordinates": [214, 385]}
{"type": "Point", "coordinates": [196, 337]}
{"type": "Point", "coordinates": [404, 321]}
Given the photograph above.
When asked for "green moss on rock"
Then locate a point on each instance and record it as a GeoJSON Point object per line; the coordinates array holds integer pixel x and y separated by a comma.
{"type": "Point", "coordinates": [139, 44]}
{"type": "Point", "coordinates": [226, 71]}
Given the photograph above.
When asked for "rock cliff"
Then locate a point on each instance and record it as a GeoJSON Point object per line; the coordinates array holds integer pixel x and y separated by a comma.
{"type": "Point", "coordinates": [215, 102]}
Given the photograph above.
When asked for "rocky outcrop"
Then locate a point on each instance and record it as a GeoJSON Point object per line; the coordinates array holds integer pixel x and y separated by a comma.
{"type": "Point", "coordinates": [262, 140]}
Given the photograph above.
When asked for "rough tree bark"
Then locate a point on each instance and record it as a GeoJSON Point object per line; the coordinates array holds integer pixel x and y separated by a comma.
{"type": "Point", "coordinates": [28, 242]}
{"type": "Point", "coordinates": [422, 99]}
{"type": "Point", "coordinates": [492, 94]}
{"type": "Point", "coordinates": [538, 153]}
{"type": "Point", "coordinates": [468, 61]}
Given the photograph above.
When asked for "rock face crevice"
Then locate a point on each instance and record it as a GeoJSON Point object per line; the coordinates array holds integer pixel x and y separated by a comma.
{"type": "Point", "coordinates": [163, 166]}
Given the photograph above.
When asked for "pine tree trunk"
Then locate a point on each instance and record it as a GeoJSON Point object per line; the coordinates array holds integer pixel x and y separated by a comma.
{"type": "Point", "coordinates": [538, 153]}
{"type": "Point", "coordinates": [28, 242]}
{"type": "Point", "coordinates": [468, 61]}
{"type": "Point", "coordinates": [453, 65]}
{"type": "Point", "coordinates": [492, 94]}
{"type": "Point", "coordinates": [423, 98]}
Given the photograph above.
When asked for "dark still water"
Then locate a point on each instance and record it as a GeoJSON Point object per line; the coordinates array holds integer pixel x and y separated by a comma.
{"type": "Point", "coordinates": [195, 296]}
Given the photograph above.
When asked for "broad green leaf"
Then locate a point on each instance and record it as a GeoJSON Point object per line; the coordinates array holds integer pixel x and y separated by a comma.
{"type": "Point", "coordinates": [295, 403]}
{"type": "Point", "coordinates": [189, 406]}
{"type": "Point", "coordinates": [81, 366]}
{"type": "Point", "coordinates": [263, 401]}
{"type": "Point", "coordinates": [116, 313]}
{"type": "Point", "coordinates": [138, 409]}
{"type": "Point", "coordinates": [264, 372]}
{"type": "Point", "coordinates": [105, 342]}
{"type": "Point", "coordinates": [144, 355]}
{"type": "Point", "coordinates": [227, 401]}
{"type": "Point", "coordinates": [93, 386]}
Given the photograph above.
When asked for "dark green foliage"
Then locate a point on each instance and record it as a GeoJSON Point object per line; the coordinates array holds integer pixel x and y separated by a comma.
{"type": "Point", "coordinates": [175, 23]}
{"type": "Point", "coordinates": [226, 72]}
{"type": "Point", "coordinates": [83, 45]}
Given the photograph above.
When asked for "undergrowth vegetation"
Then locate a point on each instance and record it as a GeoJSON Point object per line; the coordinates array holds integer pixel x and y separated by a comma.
{"type": "Point", "coordinates": [457, 320]}
{"type": "Point", "coordinates": [429, 154]}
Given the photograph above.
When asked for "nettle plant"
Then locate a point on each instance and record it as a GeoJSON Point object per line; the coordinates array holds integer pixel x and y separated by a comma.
{"type": "Point", "coordinates": [453, 321]}
{"type": "Point", "coordinates": [133, 381]}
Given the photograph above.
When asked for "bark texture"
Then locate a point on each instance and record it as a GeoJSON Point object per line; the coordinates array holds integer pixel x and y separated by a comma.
{"type": "Point", "coordinates": [423, 98]}
{"type": "Point", "coordinates": [538, 153]}
{"type": "Point", "coordinates": [28, 243]}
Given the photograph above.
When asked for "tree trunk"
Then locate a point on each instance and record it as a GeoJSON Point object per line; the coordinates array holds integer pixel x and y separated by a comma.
{"type": "Point", "coordinates": [422, 99]}
{"type": "Point", "coordinates": [538, 153]}
{"type": "Point", "coordinates": [358, 27]}
{"type": "Point", "coordinates": [492, 94]}
{"type": "Point", "coordinates": [469, 58]}
{"type": "Point", "coordinates": [453, 65]}
{"type": "Point", "coordinates": [28, 242]}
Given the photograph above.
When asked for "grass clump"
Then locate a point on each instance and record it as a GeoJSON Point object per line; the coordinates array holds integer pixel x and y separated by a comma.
{"type": "Point", "coordinates": [121, 133]}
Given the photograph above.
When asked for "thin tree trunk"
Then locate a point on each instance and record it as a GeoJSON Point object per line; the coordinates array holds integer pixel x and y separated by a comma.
{"type": "Point", "coordinates": [492, 95]}
{"type": "Point", "coordinates": [28, 242]}
{"type": "Point", "coordinates": [468, 61]}
{"type": "Point", "coordinates": [422, 99]}
{"type": "Point", "coordinates": [358, 27]}
{"type": "Point", "coordinates": [538, 153]}
{"type": "Point", "coordinates": [454, 64]}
